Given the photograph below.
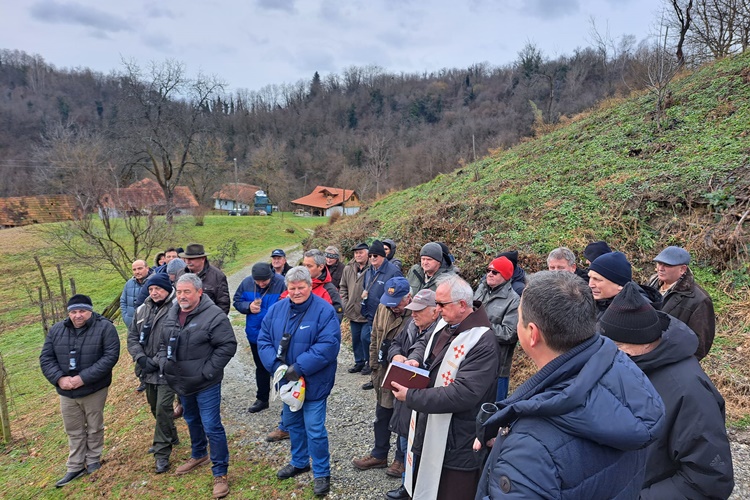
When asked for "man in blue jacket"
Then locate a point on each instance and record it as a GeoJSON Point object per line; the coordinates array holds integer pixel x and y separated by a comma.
{"type": "Point", "coordinates": [303, 333]}
{"type": "Point", "coordinates": [253, 298]}
{"type": "Point", "coordinates": [580, 426]}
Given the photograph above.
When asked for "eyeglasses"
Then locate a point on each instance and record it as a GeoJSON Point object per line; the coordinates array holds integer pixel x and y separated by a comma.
{"type": "Point", "coordinates": [493, 272]}
{"type": "Point", "coordinates": [443, 304]}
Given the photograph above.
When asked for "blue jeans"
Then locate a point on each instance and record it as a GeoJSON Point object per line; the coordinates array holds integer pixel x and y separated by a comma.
{"type": "Point", "coordinates": [309, 437]}
{"type": "Point", "coordinates": [203, 418]}
{"type": "Point", "coordinates": [366, 334]}
{"type": "Point", "coordinates": [360, 353]}
{"type": "Point", "coordinates": [502, 388]}
{"type": "Point", "coordinates": [403, 444]}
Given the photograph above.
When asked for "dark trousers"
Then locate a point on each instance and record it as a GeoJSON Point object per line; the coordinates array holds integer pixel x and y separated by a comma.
{"type": "Point", "coordinates": [160, 398]}
{"type": "Point", "coordinates": [382, 432]}
{"type": "Point", "coordinates": [262, 377]}
{"type": "Point", "coordinates": [454, 484]}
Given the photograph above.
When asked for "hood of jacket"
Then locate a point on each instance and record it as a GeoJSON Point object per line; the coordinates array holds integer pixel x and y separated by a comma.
{"type": "Point", "coordinates": [595, 392]}
{"type": "Point", "coordinates": [325, 277]}
{"type": "Point", "coordinates": [391, 244]}
{"type": "Point", "coordinates": [678, 342]}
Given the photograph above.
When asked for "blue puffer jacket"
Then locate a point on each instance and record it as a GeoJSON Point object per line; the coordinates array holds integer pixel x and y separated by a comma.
{"type": "Point", "coordinates": [248, 292]}
{"type": "Point", "coordinates": [374, 284]}
{"type": "Point", "coordinates": [577, 429]}
{"type": "Point", "coordinates": [314, 346]}
{"type": "Point", "coordinates": [129, 298]}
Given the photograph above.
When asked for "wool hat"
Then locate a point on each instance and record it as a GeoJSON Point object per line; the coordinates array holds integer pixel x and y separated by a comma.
{"type": "Point", "coordinates": [80, 301]}
{"type": "Point", "coordinates": [504, 266]}
{"type": "Point", "coordinates": [448, 258]}
{"type": "Point", "coordinates": [278, 253]}
{"type": "Point", "coordinates": [673, 256]}
{"type": "Point", "coordinates": [512, 256]}
{"type": "Point", "coordinates": [614, 266]}
{"type": "Point", "coordinates": [432, 250]}
{"type": "Point", "coordinates": [631, 319]}
{"type": "Point", "coordinates": [422, 300]}
{"type": "Point", "coordinates": [175, 265]}
{"type": "Point", "coordinates": [377, 248]}
{"type": "Point", "coordinates": [262, 271]}
{"type": "Point", "coordinates": [194, 251]}
{"type": "Point", "coordinates": [595, 249]}
{"type": "Point", "coordinates": [396, 289]}
{"type": "Point", "coordinates": [161, 280]}
{"type": "Point", "coordinates": [360, 246]}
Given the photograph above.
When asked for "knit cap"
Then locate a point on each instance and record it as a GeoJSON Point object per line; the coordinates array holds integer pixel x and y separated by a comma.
{"type": "Point", "coordinates": [262, 271]}
{"type": "Point", "coordinates": [80, 301]}
{"type": "Point", "coordinates": [595, 249]}
{"type": "Point", "coordinates": [377, 248]}
{"type": "Point", "coordinates": [614, 266]}
{"type": "Point", "coordinates": [504, 266]}
{"type": "Point", "coordinates": [631, 319]}
{"type": "Point", "coordinates": [432, 250]}
{"type": "Point", "coordinates": [161, 280]}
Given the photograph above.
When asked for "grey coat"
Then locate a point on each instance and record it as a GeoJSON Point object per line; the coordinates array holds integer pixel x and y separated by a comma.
{"type": "Point", "coordinates": [155, 340]}
{"type": "Point", "coordinates": [501, 305]}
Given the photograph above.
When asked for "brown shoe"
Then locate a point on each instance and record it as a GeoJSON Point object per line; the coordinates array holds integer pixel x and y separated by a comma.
{"type": "Point", "coordinates": [191, 464]}
{"type": "Point", "coordinates": [396, 469]}
{"type": "Point", "coordinates": [221, 486]}
{"type": "Point", "coordinates": [370, 462]}
{"type": "Point", "coordinates": [277, 435]}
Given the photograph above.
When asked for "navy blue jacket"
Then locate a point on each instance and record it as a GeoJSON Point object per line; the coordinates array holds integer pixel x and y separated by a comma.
{"type": "Point", "coordinates": [577, 429]}
{"type": "Point", "coordinates": [314, 346]}
{"type": "Point", "coordinates": [374, 284]}
{"type": "Point", "coordinates": [248, 292]}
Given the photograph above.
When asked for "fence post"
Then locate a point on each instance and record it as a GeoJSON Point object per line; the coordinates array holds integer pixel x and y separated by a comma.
{"type": "Point", "coordinates": [4, 415]}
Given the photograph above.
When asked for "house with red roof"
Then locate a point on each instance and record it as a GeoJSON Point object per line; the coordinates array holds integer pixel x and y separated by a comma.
{"type": "Point", "coordinates": [325, 201]}
{"type": "Point", "coordinates": [147, 197]}
{"type": "Point", "coordinates": [236, 196]}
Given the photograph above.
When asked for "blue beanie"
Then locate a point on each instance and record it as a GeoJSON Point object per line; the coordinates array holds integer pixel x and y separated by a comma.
{"type": "Point", "coordinates": [161, 280]}
{"type": "Point", "coordinates": [614, 266]}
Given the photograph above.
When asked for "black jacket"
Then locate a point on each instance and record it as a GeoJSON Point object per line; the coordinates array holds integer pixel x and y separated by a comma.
{"type": "Point", "coordinates": [692, 459]}
{"type": "Point", "coordinates": [97, 347]}
{"type": "Point", "coordinates": [201, 349]}
{"type": "Point", "coordinates": [155, 338]}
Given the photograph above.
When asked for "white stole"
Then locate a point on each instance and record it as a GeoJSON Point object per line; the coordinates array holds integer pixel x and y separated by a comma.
{"type": "Point", "coordinates": [438, 424]}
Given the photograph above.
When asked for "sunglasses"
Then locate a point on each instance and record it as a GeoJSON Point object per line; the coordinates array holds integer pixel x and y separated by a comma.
{"type": "Point", "coordinates": [375, 256]}
{"type": "Point", "coordinates": [331, 256]}
{"type": "Point", "coordinates": [493, 272]}
{"type": "Point", "coordinates": [443, 304]}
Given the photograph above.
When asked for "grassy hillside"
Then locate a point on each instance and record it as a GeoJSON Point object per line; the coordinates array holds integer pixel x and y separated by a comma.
{"type": "Point", "coordinates": [608, 174]}
{"type": "Point", "coordinates": [35, 458]}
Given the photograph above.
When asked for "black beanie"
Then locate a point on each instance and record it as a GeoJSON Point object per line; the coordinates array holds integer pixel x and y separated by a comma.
{"type": "Point", "coordinates": [262, 271]}
{"type": "Point", "coordinates": [595, 249]}
{"type": "Point", "coordinates": [377, 248]}
{"type": "Point", "coordinates": [614, 266]}
{"type": "Point", "coordinates": [631, 319]}
{"type": "Point", "coordinates": [512, 256]}
{"type": "Point", "coordinates": [161, 280]}
{"type": "Point", "coordinates": [80, 301]}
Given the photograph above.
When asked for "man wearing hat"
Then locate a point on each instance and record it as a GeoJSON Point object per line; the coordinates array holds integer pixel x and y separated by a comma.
{"type": "Point", "coordinates": [411, 340]}
{"type": "Point", "coordinates": [608, 274]}
{"type": "Point", "coordinates": [518, 280]}
{"type": "Point", "coordinates": [214, 281]}
{"type": "Point", "coordinates": [255, 295]}
{"type": "Point", "coordinates": [334, 265]}
{"type": "Point", "coordinates": [463, 361]}
{"type": "Point", "coordinates": [683, 298]}
{"type": "Point", "coordinates": [594, 250]}
{"type": "Point", "coordinates": [501, 305]}
{"type": "Point", "coordinates": [351, 288]}
{"type": "Point", "coordinates": [279, 263]}
{"type": "Point", "coordinates": [376, 276]}
{"type": "Point", "coordinates": [431, 266]}
{"type": "Point", "coordinates": [77, 358]}
{"type": "Point", "coordinates": [146, 341]}
{"type": "Point", "coordinates": [388, 322]}
{"type": "Point", "coordinates": [693, 458]}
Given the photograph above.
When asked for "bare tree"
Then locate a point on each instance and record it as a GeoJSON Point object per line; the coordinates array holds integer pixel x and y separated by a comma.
{"type": "Point", "coordinates": [718, 26]}
{"type": "Point", "coordinates": [378, 158]}
{"type": "Point", "coordinates": [207, 168]}
{"type": "Point", "coordinates": [681, 23]}
{"type": "Point", "coordinates": [165, 111]}
{"type": "Point", "coordinates": [659, 68]}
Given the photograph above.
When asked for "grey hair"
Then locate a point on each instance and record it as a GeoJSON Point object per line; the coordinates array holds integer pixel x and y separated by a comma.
{"type": "Point", "coordinates": [332, 249]}
{"type": "Point", "coordinates": [191, 278]}
{"type": "Point", "coordinates": [562, 253]}
{"type": "Point", "coordinates": [317, 255]}
{"type": "Point", "coordinates": [561, 306]}
{"type": "Point", "coordinates": [460, 289]}
{"type": "Point", "coordinates": [297, 274]}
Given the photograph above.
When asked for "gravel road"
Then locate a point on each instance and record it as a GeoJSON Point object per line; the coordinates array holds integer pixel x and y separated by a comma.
{"type": "Point", "coordinates": [351, 412]}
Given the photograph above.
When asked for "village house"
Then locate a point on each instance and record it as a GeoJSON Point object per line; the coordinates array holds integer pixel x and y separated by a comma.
{"type": "Point", "coordinates": [147, 197]}
{"type": "Point", "coordinates": [325, 201]}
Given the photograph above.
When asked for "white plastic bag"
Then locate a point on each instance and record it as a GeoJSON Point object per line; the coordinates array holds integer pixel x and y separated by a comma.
{"type": "Point", "coordinates": [292, 393]}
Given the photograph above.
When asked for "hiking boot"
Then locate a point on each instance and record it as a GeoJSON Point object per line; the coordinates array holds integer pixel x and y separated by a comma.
{"type": "Point", "coordinates": [151, 450]}
{"type": "Point", "coordinates": [356, 368]}
{"type": "Point", "coordinates": [69, 477]}
{"type": "Point", "coordinates": [366, 370]}
{"type": "Point", "coordinates": [177, 413]}
{"type": "Point", "coordinates": [370, 462]}
{"type": "Point", "coordinates": [141, 387]}
{"type": "Point", "coordinates": [399, 493]}
{"type": "Point", "coordinates": [396, 469]}
{"type": "Point", "coordinates": [162, 465]}
{"type": "Point", "coordinates": [367, 386]}
{"type": "Point", "coordinates": [91, 468]}
{"type": "Point", "coordinates": [277, 435]}
{"type": "Point", "coordinates": [258, 406]}
{"type": "Point", "coordinates": [289, 471]}
{"type": "Point", "coordinates": [221, 486]}
{"type": "Point", "coordinates": [191, 464]}
{"type": "Point", "coordinates": [321, 486]}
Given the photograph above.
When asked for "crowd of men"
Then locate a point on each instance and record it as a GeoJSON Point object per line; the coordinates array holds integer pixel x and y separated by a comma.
{"type": "Point", "coordinates": [619, 406]}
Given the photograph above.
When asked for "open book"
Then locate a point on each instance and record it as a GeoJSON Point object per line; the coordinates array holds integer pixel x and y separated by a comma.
{"type": "Point", "coordinates": [406, 375]}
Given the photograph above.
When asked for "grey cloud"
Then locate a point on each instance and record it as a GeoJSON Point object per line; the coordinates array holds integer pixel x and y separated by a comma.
{"type": "Point", "coordinates": [157, 11]}
{"type": "Point", "coordinates": [283, 5]}
{"type": "Point", "coordinates": [158, 42]}
{"type": "Point", "coordinates": [550, 9]}
{"type": "Point", "coordinates": [72, 13]}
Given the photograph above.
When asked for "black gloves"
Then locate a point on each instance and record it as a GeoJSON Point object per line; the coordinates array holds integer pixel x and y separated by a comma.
{"type": "Point", "coordinates": [291, 374]}
{"type": "Point", "coordinates": [147, 364]}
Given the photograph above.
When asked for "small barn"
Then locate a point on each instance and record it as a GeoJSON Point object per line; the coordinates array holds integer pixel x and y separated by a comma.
{"type": "Point", "coordinates": [147, 197]}
{"type": "Point", "coordinates": [325, 201]}
{"type": "Point", "coordinates": [25, 210]}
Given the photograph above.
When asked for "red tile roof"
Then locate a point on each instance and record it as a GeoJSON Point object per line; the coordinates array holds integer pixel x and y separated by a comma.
{"type": "Point", "coordinates": [243, 193]}
{"type": "Point", "coordinates": [24, 210]}
{"type": "Point", "coordinates": [325, 197]}
{"type": "Point", "coordinates": [147, 193]}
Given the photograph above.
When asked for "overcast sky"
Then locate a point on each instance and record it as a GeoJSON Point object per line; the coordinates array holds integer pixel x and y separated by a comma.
{"type": "Point", "coordinates": [253, 43]}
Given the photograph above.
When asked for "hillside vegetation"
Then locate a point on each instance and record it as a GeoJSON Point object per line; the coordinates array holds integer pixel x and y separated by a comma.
{"type": "Point", "coordinates": [608, 174]}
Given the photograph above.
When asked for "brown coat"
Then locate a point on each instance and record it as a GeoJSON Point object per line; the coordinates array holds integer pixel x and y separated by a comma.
{"type": "Point", "coordinates": [385, 326]}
